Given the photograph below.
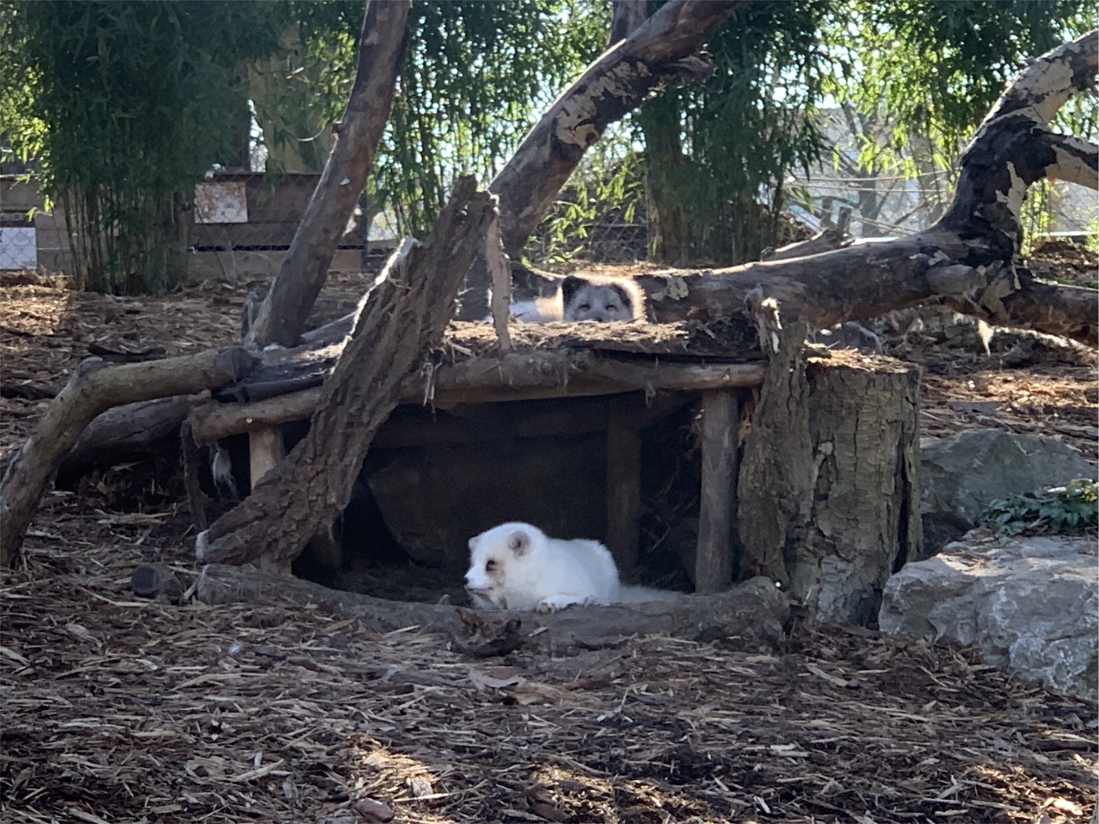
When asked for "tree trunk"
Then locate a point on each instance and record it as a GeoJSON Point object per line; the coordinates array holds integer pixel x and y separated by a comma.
{"type": "Point", "coordinates": [282, 315]}
{"type": "Point", "coordinates": [402, 317]}
{"type": "Point", "coordinates": [93, 388]}
{"type": "Point", "coordinates": [829, 491]}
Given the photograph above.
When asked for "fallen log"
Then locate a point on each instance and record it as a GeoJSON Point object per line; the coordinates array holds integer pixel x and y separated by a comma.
{"type": "Point", "coordinates": [94, 388]}
{"type": "Point", "coordinates": [141, 428]}
{"type": "Point", "coordinates": [747, 615]}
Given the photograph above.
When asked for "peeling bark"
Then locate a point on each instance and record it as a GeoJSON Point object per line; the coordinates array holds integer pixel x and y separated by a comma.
{"type": "Point", "coordinates": [660, 49]}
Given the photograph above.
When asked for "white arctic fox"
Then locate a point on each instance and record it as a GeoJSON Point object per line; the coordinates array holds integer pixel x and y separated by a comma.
{"type": "Point", "coordinates": [517, 566]}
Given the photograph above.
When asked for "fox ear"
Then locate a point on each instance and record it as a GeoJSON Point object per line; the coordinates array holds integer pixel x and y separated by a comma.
{"type": "Point", "coordinates": [472, 543]}
{"type": "Point", "coordinates": [519, 542]}
{"type": "Point", "coordinates": [623, 295]}
{"type": "Point", "coordinates": [570, 286]}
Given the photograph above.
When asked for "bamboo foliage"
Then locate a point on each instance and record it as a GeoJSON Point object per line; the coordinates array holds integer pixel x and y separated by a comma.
{"type": "Point", "coordinates": [123, 105]}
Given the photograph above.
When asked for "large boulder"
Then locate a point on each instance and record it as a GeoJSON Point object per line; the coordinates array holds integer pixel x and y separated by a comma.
{"type": "Point", "coordinates": [1029, 604]}
{"type": "Point", "coordinates": [961, 475]}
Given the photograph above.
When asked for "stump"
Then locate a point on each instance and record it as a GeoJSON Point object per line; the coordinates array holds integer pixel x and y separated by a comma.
{"type": "Point", "coordinates": [829, 488]}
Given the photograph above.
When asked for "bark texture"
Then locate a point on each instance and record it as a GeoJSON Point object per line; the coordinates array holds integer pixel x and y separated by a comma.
{"type": "Point", "coordinates": [829, 501]}
{"type": "Point", "coordinates": [402, 317]}
{"type": "Point", "coordinates": [968, 259]}
{"type": "Point", "coordinates": [869, 280]}
{"type": "Point", "coordinates": [749, 614]}
{"type": "Point", "coordinates": [94, 388]}
{"type": "Point", "coordinates": [282, 315]}
{"type": "Point", "coordinates": [776, 468]}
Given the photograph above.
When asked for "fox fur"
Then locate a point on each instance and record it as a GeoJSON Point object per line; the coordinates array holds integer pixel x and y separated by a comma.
{"type": "Point", "coordinates": [517, 566]}
{"type": "Point", "coordinates": [595, 298]}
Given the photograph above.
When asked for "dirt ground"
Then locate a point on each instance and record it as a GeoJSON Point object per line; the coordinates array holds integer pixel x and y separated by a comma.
{"type": "Point", "coordinates": [116, 709]}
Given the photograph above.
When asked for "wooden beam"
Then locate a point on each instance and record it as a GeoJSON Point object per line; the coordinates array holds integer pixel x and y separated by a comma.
{"type": "Point", "coordinates": [714, 562]}
{"type": "Point", "coordinates": [623, 487]}
{"type": "Point", "coordinates": [514, 376]}
{"type": "Point", "coordinates": [265, 449]}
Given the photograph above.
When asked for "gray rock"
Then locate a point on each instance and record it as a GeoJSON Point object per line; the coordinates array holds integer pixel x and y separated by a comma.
{"type": "Point", "coordinates": [156, 581]}
{"type": "Point", "coordinates": [1028, 604]}
{"type": "Point", "coordinates": [961, 475]}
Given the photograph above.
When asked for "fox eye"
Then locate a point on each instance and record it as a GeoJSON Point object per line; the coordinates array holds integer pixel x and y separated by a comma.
{"type": "Point", "coordinates": [584, 307]}
{"type": "Point", "coordinates": [489, 566]}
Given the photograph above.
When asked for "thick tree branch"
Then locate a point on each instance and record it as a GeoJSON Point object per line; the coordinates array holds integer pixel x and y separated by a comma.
{"type": "Point", "coordinates": [94, 388]}
{"type": "Point", "coordinates": [1077, 160]}
{"type": "Point", "coordinates": [1011, 150]}
{"type": "Point", "coordinates": [402, 316]}
{"type": "Point", "coordinates": [967, 259]}
{"type": "Point", "coordinates": [661, 48]}
{"type": "Point", "coordinates": [282, 315]}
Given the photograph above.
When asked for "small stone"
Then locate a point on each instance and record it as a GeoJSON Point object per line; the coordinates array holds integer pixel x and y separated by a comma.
{"type": "Point", "coordinates": [156, 581]}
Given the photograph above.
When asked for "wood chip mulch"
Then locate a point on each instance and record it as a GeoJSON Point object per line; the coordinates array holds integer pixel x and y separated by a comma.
{"type": "Point", "coordinates": [117, 709]}
{"type": "Point", "coordinates": [120, 709]}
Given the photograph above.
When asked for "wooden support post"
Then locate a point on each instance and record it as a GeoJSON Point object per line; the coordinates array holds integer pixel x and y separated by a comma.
{"type": "Point", "coordinates": [623, 488]}
{"type": "Point", "coordinates": [714, 562]}
{"type": "Point", "coordinates": [265, 449]}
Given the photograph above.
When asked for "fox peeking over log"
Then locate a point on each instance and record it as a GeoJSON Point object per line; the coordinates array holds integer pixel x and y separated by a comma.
{"type": "Point", "coordinates": [596, 298]}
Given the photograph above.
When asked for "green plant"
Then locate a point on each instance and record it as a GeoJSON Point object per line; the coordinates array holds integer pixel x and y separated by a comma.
{"type": "Point", "coordinates": [1070, 509]}
{"type": "Point", "coordinates": [123, 105]}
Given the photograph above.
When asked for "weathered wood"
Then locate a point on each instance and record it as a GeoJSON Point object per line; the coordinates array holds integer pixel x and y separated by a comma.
{"type": "Point", "coordinates": [776, 473]}
{"type": "Point", "coordinates": [863, 515]}
{"type": "Point", "coordinates": [685, 376]}
{"type": "Point", "coordinates": [282, 315]}
{"type": "Point", "coordinates": [191, 458]}
{"type": "Point", "coordinates": [404, 314]}
{"type": "Point", "coordinates": [827, 240]}
{"type": "Point", "coordinates": [93, 388]}
{"type": "Point", "coordinates": [125, 431]}
{"type": "Point", "coordinates": [265, 450]}
{"type": "Point", "coordinates": [623, 488]}
{"type": "Point", "coordinates": [829, 487]}
{"type": "Point", "coordinates": [968, 257]}
{"type": "Point", "coordinates": [515, 376]}
{"type": "Point", "coordinates": [714, 559]}
{"type": "Point", "coordinates": [751, 613]}
{"type": "Point", "coordinates": [499, 267]}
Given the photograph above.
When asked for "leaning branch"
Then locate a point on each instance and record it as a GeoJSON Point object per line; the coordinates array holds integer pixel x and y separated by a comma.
{"type": "Point", "coordinates": [402, 316]}
{"type": "Point", "coordinates": [659, 49]}
{"type": "Point", "coordinates": [94, 388]}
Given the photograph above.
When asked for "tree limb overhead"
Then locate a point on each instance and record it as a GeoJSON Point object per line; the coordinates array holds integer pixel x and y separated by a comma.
{"type": "Point", "coordinates": [659, 49]}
